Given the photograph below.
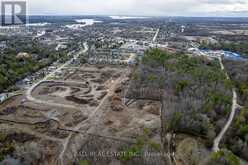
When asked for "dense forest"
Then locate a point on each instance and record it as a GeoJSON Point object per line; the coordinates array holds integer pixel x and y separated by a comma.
{"type": "Point", "coordinates": [237, 137]}
{"type": "Point", "coordinates": [196, 97]}
{"type": "Point", "coordinates": [238, 71]}
{"type": "Point", "coordinates": [196, 93]}
{"type": "Point", "coordinates": [13, 68]}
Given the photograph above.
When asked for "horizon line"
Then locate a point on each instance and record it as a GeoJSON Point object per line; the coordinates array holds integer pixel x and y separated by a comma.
{"type": "Point", "coordinates": [148, 16]}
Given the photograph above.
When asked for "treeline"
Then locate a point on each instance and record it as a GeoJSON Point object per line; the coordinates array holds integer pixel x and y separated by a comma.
{"type": "Point", "coordinates": [238, 47]}
{"type": "Point", "coordinates": [237, 136]}
{"type": "Point", "coordinates": [13, 69]}
{"type": "Point", "coordinates": [196, 97]}
{"type": "Point", "coordinates": [238, 72]}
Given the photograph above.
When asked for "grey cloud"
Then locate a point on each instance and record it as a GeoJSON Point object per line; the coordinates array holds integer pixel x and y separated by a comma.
{"type": "Point", "coordinates": [138, 7]}
{"type": "Point", "coordinates": [224, 1]}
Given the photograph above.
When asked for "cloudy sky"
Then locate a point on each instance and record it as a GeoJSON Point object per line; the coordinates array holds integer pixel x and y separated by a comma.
{"type": "Point", "coordinates": [140, 7]}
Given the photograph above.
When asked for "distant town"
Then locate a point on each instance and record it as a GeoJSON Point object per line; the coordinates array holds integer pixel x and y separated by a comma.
{"type": "Point", "coordinates": [175, 88]}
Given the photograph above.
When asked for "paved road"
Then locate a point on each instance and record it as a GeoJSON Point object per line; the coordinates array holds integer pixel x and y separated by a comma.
{"type": "Point", "coordinates": [231, 117]}
{"type": "Point", "coordinates": [30, 90]}
{"type": "Point", "coordinates": [155, 36]}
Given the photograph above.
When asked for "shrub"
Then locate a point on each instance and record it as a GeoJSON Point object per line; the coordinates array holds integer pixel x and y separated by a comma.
{"type": "Point", "coordinates": [155, 146]}
{"type": "Point", "coordinates": [224, 157]}
{"type": "Point", "coordinates": [181, 85]}
{"type": "Point", "coordinates": [83, 162]}
{"type": "Point", "coordinates": [244, 131]}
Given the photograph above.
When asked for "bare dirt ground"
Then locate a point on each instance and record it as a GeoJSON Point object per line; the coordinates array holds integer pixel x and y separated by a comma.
{"type": "Point", "coordinates": [99, 119]}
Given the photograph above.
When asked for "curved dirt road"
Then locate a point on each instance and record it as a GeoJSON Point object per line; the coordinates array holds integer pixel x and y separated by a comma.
{"type": "Point", "coordinates": [231, 116]}
{"type": "Point", "coordinates": [30, 90]}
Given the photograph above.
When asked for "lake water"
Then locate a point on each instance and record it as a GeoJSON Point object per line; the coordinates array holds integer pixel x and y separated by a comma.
{"type": "Point", "coordinates": [126, 17]}
{"type": "Point", "coordinates": [82, 23]}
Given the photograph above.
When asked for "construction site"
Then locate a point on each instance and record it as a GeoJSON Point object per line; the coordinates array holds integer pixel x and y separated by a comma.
{"type": "Point", "coordinates": [84, 111]}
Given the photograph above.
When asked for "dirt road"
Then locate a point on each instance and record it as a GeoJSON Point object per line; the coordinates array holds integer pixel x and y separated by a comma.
{"type": "Point", "coordinates": [231, 116]}
{"type": "Point", "coordinates": [30, 90]}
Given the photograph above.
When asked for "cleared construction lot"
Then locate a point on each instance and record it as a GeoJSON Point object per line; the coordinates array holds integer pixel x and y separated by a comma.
{"type": "Point", "coordinates": [83, 112]}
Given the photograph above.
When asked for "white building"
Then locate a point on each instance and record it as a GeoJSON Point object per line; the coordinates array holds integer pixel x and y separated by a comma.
{"type": "Point", "coordinates": [3, 44]}
{"type": "Point", "coordinates": [3, 97]}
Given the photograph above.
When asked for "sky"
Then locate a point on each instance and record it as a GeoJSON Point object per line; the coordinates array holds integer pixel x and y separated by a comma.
{"type": "Point", "coordinates": [140, 7]}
